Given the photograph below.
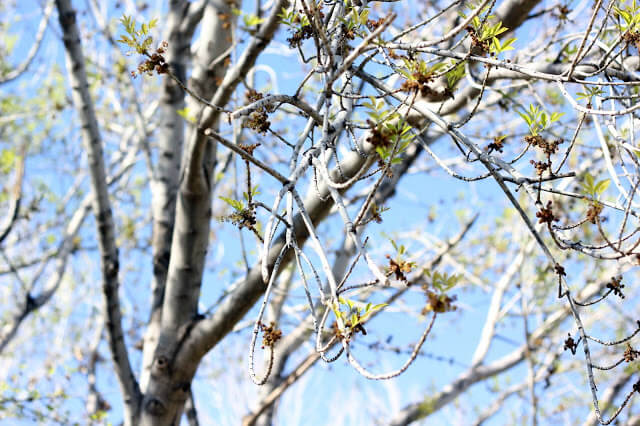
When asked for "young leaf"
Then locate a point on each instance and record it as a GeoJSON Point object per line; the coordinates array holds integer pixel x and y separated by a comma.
{"type": "Point", "coordinates": [602, 186]}
{"type": "Point", "coordinates": [237, 205]}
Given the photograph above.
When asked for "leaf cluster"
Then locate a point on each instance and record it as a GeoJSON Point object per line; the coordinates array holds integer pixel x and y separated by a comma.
{"type": "Point", "coordinates": [595, 190]}
{"type": "Point", "coordinates": [356, 314]}
{"type": "Point", "coordinates": [398, 266]}
{"type": "Point", "coordinates": [138, 39]}
{"type": "Point", "coordinates": [486, 35]}
{"type": "Point", "coordinates": [419, 69]}
{"type": "Point", "coordinates": [293, 19]}
{"type": "Point", "coordinates": [355, 20]}
{"type": "Point", "coordinates": [443, 281]}
{"type": "Point", "coordinates": [390, 130]}
{"type": "Point", "coordinates": [630, 17]}
{"type": "Point", "coordinates": [589, 93]}
{"type": "Point", "coordinates": [248, 19]}
{"type": "Point", "coordinates": [455, 74]}
{"type": "Point", "coordinates": [538, 120]}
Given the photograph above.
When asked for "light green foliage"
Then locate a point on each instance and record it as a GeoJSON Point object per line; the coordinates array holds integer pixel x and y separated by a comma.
{"type": "Point", "coordinates": [254, 193]}
{"type": "Point", "coordinates": [354, 19]}
{"type": "Point", "coordinates": [138, 39]}
{"type": "Point", "coordinates": [420, 69]}
{"type": "Point", "coordinates": [497, 47]}
{"type": "Point", "coordinates": [248, 19]}
{"type": "Point", "coordinates": [293, 19]}
{"type": "Point", "coordinates": [427, 406]}
{"type": "Point", "coordinates": [186, 114]}
{"type": "Point", "coordinates": [595, 190]}
{"type": "Point", "coordinates": [391, 124]}
{"type": "Point", "coordinates": [455, 74]}
{"type": "Point", "coordinates": [486, 31]}
{"type": "Point", "coordinates": [589, 93]}
{"type": "Point", "coordinates": [236, 204]}
{"type": "Point", "coordinates": [356, 312]}
{"type": "Point", "coordinates": [9, 43]}
{"type": "Point", "coordinates": [376, 110]}
{"type": "Point", "coordinates": [539, 120]}
{"type": "Point", "coordinates": [401, 251]}
{"type": "Point", "coordinates": [6, 49]}
{"type": "Point", "coordinates": [398, 266]}
{"type": "Point", "coordinates": [7, 160]}
{"type": "Point", "coordinates": [10, 105]}
{"type": "Point", "coordinates": [569, 49]}
{"type": "Point", "coordinates": [443, 281]}
{"type": "Point", "coordinates": [400, 135]}
{"type": "Point", "coordinates": [489, 33]}
{"type": "Point", "coordinates": [630, 17]}
{"type": "Point", "coordinates": [99, 416]}
{"type": "Point", "coordinates": [476, 22]}
{"type": "Point", "coordinates": [41, 406]}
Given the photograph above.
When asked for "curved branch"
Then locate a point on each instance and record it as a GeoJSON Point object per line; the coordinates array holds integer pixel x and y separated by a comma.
{"type": "Point", "coordinates": [24, 66]}
{"type": "Point", "coordinates": [475, 374]}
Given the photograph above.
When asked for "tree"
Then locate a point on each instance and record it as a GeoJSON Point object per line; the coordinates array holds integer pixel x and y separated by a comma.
{"type": "Point", "coordinates": [537, 98]}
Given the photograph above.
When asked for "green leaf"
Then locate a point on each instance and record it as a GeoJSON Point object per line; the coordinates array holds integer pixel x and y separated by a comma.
{"type": "Point", "coordinates": [476, 23]}
{"type": "Point", "coordinates": [371, 310]}
{"type": "Point", "coordinates": [237, 205]}
{"type": "Point", "coordinates": [456, 74]}
{"type": "Point", "coordinates": [525, 117]}
{"type": "Point", "coordinates": [186, 114]}
{"type": "Point", "coordinates": [10, 42]}
{"type": "Point", "coordinates": [588, 178]}
{"type": "Point", "coordinates": [364, 15]}
{"type": "Point", "coordinates": [252, 20]}
{"type": "Point", "coordinates": [495, 45]}
{"type": "Point", "coordinates": [379, 306]}
{"type": "Point", "coordinates": [7, 160]}
{"type": "Point", "coordinates": [602, 186]}
{"type": "Point", "coordinates": [408, 75]}
{"type": "Point", "coordinates": [507, 44]}
{"type": "Point", "coordinates": [556, 116]}
{"type": "Point", "coordinates": [254, 193]}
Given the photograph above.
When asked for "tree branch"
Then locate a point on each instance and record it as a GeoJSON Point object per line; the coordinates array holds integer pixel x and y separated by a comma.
{"type": "Point", "coordinates": [101, 204]}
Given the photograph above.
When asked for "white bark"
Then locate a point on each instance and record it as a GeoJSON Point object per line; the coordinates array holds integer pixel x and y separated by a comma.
{"type": "Point", "coordinates": [100, 204]}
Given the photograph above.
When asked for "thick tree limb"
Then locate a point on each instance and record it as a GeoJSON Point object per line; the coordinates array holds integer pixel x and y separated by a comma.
{"type": "Point", "coordinates": [101, 204]}
{"type": "Point", "coordinates": [181, 23]}
{"type": "Point", "coordinates": [209, 332]}
{"type": "Point", "coordinates": [164, 184]}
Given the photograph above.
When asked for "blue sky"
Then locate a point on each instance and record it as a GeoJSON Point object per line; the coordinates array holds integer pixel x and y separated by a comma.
{"type": "Point", "coordinates": [333, 394]}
